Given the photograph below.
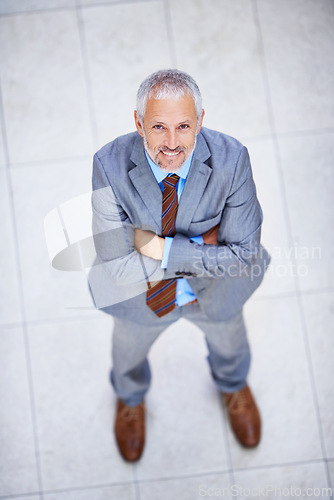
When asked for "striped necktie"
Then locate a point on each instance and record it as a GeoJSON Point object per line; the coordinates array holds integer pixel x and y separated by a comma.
{"type": "Point", "coordinates": [161, 296]}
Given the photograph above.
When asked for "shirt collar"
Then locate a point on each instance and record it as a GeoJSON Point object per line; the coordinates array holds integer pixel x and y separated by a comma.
{"type": "Point", "coordinates": [160, 175]}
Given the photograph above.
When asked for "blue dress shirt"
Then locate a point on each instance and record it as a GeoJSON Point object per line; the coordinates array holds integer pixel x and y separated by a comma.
{"type": "Point", "coordinates": [184, 293]}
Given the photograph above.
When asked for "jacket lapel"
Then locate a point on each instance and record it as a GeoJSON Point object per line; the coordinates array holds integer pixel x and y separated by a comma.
{"type": "Point", "coordinates": [194, 187]}
{"type": "Point", "coordinates": [145, 183]}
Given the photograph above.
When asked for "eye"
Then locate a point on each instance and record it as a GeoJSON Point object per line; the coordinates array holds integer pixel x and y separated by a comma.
{"type": "Point", "coordinates": [184, 126]}
{"type": "Point", "coordinates": [158, 127]}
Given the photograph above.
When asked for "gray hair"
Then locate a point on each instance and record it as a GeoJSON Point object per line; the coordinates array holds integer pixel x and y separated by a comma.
{"type": "Point", "coordinates": [168, 83]}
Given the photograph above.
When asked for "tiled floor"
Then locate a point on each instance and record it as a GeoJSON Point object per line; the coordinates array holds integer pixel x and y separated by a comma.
{"type": "Point", "coordinates": [69, 73]}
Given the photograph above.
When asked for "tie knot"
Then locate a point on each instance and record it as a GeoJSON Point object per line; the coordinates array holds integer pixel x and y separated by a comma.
{"type": "Point", "coordinates": [171, 180]}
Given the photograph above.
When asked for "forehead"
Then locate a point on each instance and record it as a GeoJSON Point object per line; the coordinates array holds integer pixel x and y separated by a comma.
{"type": "Point", "coordinates": [176, 108]}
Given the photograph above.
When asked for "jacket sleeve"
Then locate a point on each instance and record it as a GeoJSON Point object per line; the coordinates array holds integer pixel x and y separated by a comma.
{"type": "Point", "coordinates": [114, 236]}
{"type": "Point", "coordinates": [238, 236]}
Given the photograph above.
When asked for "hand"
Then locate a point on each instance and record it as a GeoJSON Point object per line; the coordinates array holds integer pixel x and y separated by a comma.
{"type": "Point", "coordinates": [149, 244]}
{"type": "Point", "coordinates": [210, 237]}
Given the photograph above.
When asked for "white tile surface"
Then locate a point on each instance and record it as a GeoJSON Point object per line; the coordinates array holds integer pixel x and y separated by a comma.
{"type": "Point", "coordinates": [97, 2]}
{"type": "Point", "coordinates": [75, 405]}
{"type": "Point", "coordinates": [48, 293]}
{"type": "Point", "coordinates": [307, 164]}
{"type": "Point", "coordinates": [319, 315]}
{"type": "Point", "coordinates": [331, 472]}
{"type": "Point", "coordinates": [282, 482]}
{"type": "Point", "coordinates": [14, 6]}
{"type": "Point", "coordinates": [280, 275]}
{"type": "Point", "coordinates": [125, 44]}
{"type": "Point", "coordinates": [298, 41]}
{"type": "Point", "coordinates": [17, 457]}
{"type": "Point", "coordinates": [106, 2]}
{"type": "Point", "coordinates": [2, 151]}
{"type": "Point", "coordinates": [46, 114]}
{"type": "Point", "coordinates": [280, 381]}
{"type": "Point", "coordinates": [217, 43]}
{"type": "Point", "coordinates": [44, 92]}
{"type": "Point", "coordinates": [185, 428]}
{"type": "Point", "coordinates": [29, 497]}
{"type": "Point", "coordinates": [119, 492]}
{"type": "Point", "coordinates": [185, 488]}
{"type": "Point", "coordinates": [9, 285]}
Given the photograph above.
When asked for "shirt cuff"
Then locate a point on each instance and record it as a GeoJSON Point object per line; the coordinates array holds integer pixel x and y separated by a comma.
{"type": "Point", "coordinates": [168, 244]}
{"type": "Point", "coordinates": [197, 239]}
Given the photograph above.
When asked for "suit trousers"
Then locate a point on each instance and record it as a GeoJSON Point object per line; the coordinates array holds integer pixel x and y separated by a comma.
{"type": "Point", "coordinates": [229, 354]}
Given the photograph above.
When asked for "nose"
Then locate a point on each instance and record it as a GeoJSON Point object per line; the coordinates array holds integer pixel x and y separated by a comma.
{"type": "Point", "coordinates": [171, 139]}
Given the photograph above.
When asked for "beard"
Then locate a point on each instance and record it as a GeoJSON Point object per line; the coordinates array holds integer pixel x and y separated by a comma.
{"type": "Point", "coordinates": [170, 167]}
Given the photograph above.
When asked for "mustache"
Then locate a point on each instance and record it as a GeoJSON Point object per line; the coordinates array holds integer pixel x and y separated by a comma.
{"type": "Point", "coordinates": [178, 149]}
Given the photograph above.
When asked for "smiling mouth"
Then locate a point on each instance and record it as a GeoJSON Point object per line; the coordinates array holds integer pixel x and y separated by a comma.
{"type": "Point", "coordinates": [171, 154]}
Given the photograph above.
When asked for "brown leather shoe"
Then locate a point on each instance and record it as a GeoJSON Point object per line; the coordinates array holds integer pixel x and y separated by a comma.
{"type": "Point", "coordinates": [244, 417]}
{"type": "Point", "coordinates": [130, 430]}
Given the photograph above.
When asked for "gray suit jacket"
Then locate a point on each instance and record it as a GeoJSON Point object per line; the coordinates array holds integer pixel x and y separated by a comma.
{"type": "Point", "coordinates": [219, 190]}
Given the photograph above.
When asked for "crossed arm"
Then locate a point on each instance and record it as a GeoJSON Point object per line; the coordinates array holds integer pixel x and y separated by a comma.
{"type": "Point", "coordinates": [152, 245]}
{"type": "Point", "coordinates": [132, 256]}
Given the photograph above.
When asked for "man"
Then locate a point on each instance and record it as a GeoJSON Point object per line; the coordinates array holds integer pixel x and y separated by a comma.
{"type": "Point", "coordinates": [177, 233]}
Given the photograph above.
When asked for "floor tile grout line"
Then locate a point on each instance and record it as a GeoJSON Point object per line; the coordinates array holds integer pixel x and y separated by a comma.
{"type": "Point", "coordinates": [226, 440]}
{"type": "Point", "coordinates": [136, 484]}
{"type": "Point", "coordinates": [98, 315]}
{"type": "Point", "coordinates": [313, 384]}
{"type": "Point", "coordinates": [260, 137]}
{"type": "Point", "coordinates": [47, 492]}
{"type": "Point", "coordinates": [50, 162]}
{"type": "Point", "coordinates": [170, 34]}
{"type": "Point", "coordinates": [294, 293]}
{"type": "Point", "coordinates": [88, 84]}
{"type": "Point", "coordinates": [115, 2]}
{"type": "Point", "coordinates": [290, 233]}
{"type": "Point", "coordinates": [136, 490]}
{"type": "Point", "coordinates": [51, 10]}
{"type": "Point", "coordinates": [21, 296]}
{"type": "Point", "coordinates": [237, 469]}
{"type": "Point", "coordinates": [87, 74]}
{"type": "Point", "coordinates": [288, 135]}
{"type": "Point", "coordinates": [283, 464]}
{"type": "Point", "coordinates": [171, 478]}
{"type": "Point", "coordinates": [329, 478]}
{"type": "Point", "coordinates": [71, 7]}
{"type": "Point", "coordinates": [305, 133]}
{"type": "Point", "coordinates": [185, 476]}
{"type": "Point", "coordinates": [21, 495]}
{"type": "Point", "coordinates": [52, 321]}
{"type": "Point", "coordinates": [3, 131]}
{"type": "Point", "coordinates": [272, 126]}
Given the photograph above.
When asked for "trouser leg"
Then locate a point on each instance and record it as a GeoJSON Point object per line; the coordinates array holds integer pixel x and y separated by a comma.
{"type": "Point", "coordinates": [130, 374]}
{"type": "Point", "coordinates": [229, 353]}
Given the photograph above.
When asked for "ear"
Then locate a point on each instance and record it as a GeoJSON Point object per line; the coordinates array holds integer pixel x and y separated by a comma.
{"type": "Point", "coordinates": [139, 126]}
{"type": "Point", "coordinates": [199, 126]}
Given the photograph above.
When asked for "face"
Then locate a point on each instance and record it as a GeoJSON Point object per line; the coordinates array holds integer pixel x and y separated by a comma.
{"type": "Point", "coordinates": [169, 130]}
